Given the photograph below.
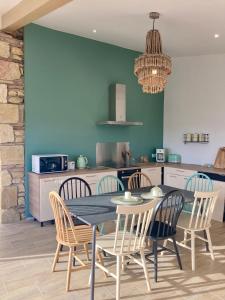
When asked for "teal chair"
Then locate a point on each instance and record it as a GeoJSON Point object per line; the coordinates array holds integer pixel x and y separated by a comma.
{"type": "Point", "coordinates": [198, 182]}
{"type": "Point", "coordinates": [108, 184]}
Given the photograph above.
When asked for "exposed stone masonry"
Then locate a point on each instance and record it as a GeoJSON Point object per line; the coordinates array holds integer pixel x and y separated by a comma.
{"type": "Point", "coordinates": [11, 128]}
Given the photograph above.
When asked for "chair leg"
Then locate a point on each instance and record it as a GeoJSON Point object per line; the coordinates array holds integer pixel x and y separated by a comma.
{"type": "Point", "coordinates": [86, 251]}
{"type": "Point", "coordinates": [164, 245]}
{"type": "Point", "coordinates": [185, 237]}
{"type": "Point", "coordinates": [99, 255]}
{"type": "Point", "coordinates": [205, 234]}
{"type": "Point", "coordinates": [193, 251]}
{"type": "Point", "coordinates": [155, 260]}
{"type": "Point", "coordinates": [118, 269]}
{"type": "Point", "coordinates": [145, 270]}
{"type": "Point", "coordinates": [210, 244]}
{"type": "Point", "coordinates": [56, 258]}
{"type": "Point", "coordinates": [177, 252]}
{"type": "Point", "coordinates": [123, 263]}
{"type": "Point", "coordinates": [74, 259]}
{"type": "Point", "coordinates": [69, 268]}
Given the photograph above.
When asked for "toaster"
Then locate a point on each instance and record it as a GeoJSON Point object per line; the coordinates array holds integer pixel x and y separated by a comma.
{"type": "Point", "coordinates": [174, 158]}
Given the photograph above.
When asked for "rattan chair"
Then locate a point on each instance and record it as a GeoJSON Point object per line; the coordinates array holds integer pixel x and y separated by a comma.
{"type": "Point", "coordinates": [138, 180]}
{"type": "Point", "coordinates": [198, 221]}
{"type": "Point", "coordinates": [68, 235]}
{"type": "Point", "coordinates": [127, 242]}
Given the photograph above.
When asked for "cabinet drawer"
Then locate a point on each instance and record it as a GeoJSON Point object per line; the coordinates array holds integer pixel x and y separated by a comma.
{"type": "Point", "coordinates": [177, 171]}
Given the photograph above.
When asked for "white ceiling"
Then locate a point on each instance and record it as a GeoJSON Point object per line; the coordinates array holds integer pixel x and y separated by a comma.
{"type": "Point", "coordinates": [187, 26]}
{"type": "Point", "coordinates": [6, 5]}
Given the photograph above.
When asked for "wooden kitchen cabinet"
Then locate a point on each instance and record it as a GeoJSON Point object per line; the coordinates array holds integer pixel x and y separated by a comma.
{"type": "Point", "coordinates": [154, 174]}
{"type": "Point", "coordinates": [219, 207]}
{"type": "Point", "coordinates": [41, 185]}
{"type": "Point", "coordinates": [176, 177]}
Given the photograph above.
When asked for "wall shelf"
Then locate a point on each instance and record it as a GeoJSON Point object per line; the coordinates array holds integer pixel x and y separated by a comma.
{"type": "Point", "coordinates": [190, 142]}
{"type": "Point", "coordinates": [196, 138]}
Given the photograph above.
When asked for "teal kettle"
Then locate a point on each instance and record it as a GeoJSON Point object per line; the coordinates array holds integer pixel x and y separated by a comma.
{"type": "Point", "coordinates": [82, 162]}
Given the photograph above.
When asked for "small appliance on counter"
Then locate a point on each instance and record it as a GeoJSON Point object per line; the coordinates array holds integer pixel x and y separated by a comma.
{"type": "Point", "coordinates": [49, 163]}
{"type": "Point", "coordinates": [174, 158]}
{"type": "Point", "coordinates": [82, 162]}
{"type": "Point", "coordinates": [71, 165]}
{"type": "Point", "coordinates": [160, 155]}
{"type": "Point", "coordinates": [143, 158]}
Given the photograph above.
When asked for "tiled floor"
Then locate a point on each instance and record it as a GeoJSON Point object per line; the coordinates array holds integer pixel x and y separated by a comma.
{"type": "Point", "coordinates": [26, 253]}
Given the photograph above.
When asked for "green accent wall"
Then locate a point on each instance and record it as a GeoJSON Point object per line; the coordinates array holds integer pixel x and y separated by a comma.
{"type": "Point", "coordinates": [67, 81]}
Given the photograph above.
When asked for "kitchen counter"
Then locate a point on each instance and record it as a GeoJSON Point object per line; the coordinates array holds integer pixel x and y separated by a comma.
{"type": "Point", "coordinates": [193, 167]}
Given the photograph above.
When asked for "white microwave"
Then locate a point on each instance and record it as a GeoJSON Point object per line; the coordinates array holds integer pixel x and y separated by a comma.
{"type": "Point", "coordinates": [49, 163]}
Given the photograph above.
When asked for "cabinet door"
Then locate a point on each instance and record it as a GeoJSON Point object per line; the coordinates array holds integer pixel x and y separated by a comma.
{"type": "Point", "coordinates": [48, 185]}
{"type": "Point", "coordinates": [219, 207]}
{"type": "Point", "coordinates": [154, 174]}
{"type": "Point", "coordinates": [173, 180]}
{"type": "Point", "coordinates": [93, 178]}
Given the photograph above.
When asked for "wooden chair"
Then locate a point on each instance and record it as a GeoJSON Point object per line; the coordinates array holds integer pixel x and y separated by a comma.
{"type": "Point", "coordinates": [199, 220]}
{"type": "Point", "coordinates": [109, 184]}
{"type": "Point", "coordinates": [68, 235]}
{"type": "Point", "coordinates": [163, 226]}
{"type": "Point", "coordinates": [198, 182]}
{"type": "Point", "coordinates": [123, 243]}
{"type": "Point", "coordinates": [138, 180]}
{"type": "Point", "coordinates": [73, 188]}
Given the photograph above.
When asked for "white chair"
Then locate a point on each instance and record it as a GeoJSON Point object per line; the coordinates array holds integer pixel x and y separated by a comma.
{"type": "Point", "coordinates": [199, 220]}
{"type": "Point", "coordinates": [123, 243]}
{"type": "Point", "coordinates": [108, 184]}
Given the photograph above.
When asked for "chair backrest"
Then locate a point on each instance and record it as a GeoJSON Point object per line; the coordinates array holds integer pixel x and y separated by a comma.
{"type": "Point", "coordinates": [166, 214]}
{"type": "Point", "coordinates": [199, 182]}
{"type": "Point", "coordinates": [129, 219]}
{"type": "Point", "coordinates": [63, 221]}
{"type": "Point", "coordinates": [202, 210]}
{"type": "Point", "coordinates": [108, 184]}
{"type": "Point", "coordinates": [73, 188]}
{"type": "Point", "coordinates": [137, 180]}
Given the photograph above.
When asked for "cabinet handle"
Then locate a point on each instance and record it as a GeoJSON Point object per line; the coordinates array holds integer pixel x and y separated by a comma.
{"type": "Point", "coordinates": [181, 171]}
{"type": "Point", "coordinates": [174, 176]}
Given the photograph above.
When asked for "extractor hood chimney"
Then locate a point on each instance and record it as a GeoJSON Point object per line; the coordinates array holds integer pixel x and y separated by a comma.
{"type": "Point", "coordinates": [117, 107]}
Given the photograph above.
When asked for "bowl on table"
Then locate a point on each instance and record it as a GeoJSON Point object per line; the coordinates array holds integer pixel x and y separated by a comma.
{"type": "Point", "coordinates": [155, 192]}
{"type": "Point", "coordinates": [126, 199]}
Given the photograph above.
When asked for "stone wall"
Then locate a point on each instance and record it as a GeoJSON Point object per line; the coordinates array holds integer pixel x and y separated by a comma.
{"type": "Point", "coordinates": [11, 128]}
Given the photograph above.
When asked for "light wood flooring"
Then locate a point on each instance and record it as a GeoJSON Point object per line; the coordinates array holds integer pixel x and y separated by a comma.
{"type": "Point", "coordinates": [26, 254]}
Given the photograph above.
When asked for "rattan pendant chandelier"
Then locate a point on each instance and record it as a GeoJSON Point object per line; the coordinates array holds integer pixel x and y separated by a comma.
{"type": "Point", "coordinates": [153, 67]}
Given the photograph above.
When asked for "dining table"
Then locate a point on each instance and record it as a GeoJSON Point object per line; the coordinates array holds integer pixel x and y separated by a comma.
{"type": "Point", "coordinates": [97, 209]}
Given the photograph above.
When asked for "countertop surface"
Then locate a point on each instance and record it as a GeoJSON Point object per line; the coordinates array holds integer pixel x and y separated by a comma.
{"type": "Point", "coordinates": [95, 170]}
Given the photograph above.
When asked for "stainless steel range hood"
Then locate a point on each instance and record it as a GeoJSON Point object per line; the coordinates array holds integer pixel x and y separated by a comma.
{"type": "Point", "coordinates": [117, 107]}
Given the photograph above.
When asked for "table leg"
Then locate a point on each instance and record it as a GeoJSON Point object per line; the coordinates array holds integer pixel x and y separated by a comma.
{"type": "Point", "coordinates": [93, 262]}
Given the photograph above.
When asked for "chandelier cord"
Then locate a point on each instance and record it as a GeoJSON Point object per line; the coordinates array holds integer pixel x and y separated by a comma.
{"type": "Point", "coordinates": [153, 27]}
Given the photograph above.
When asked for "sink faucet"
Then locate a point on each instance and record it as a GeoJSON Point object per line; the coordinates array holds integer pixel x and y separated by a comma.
{"type": "Point", "coordinates": [126, 157]}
